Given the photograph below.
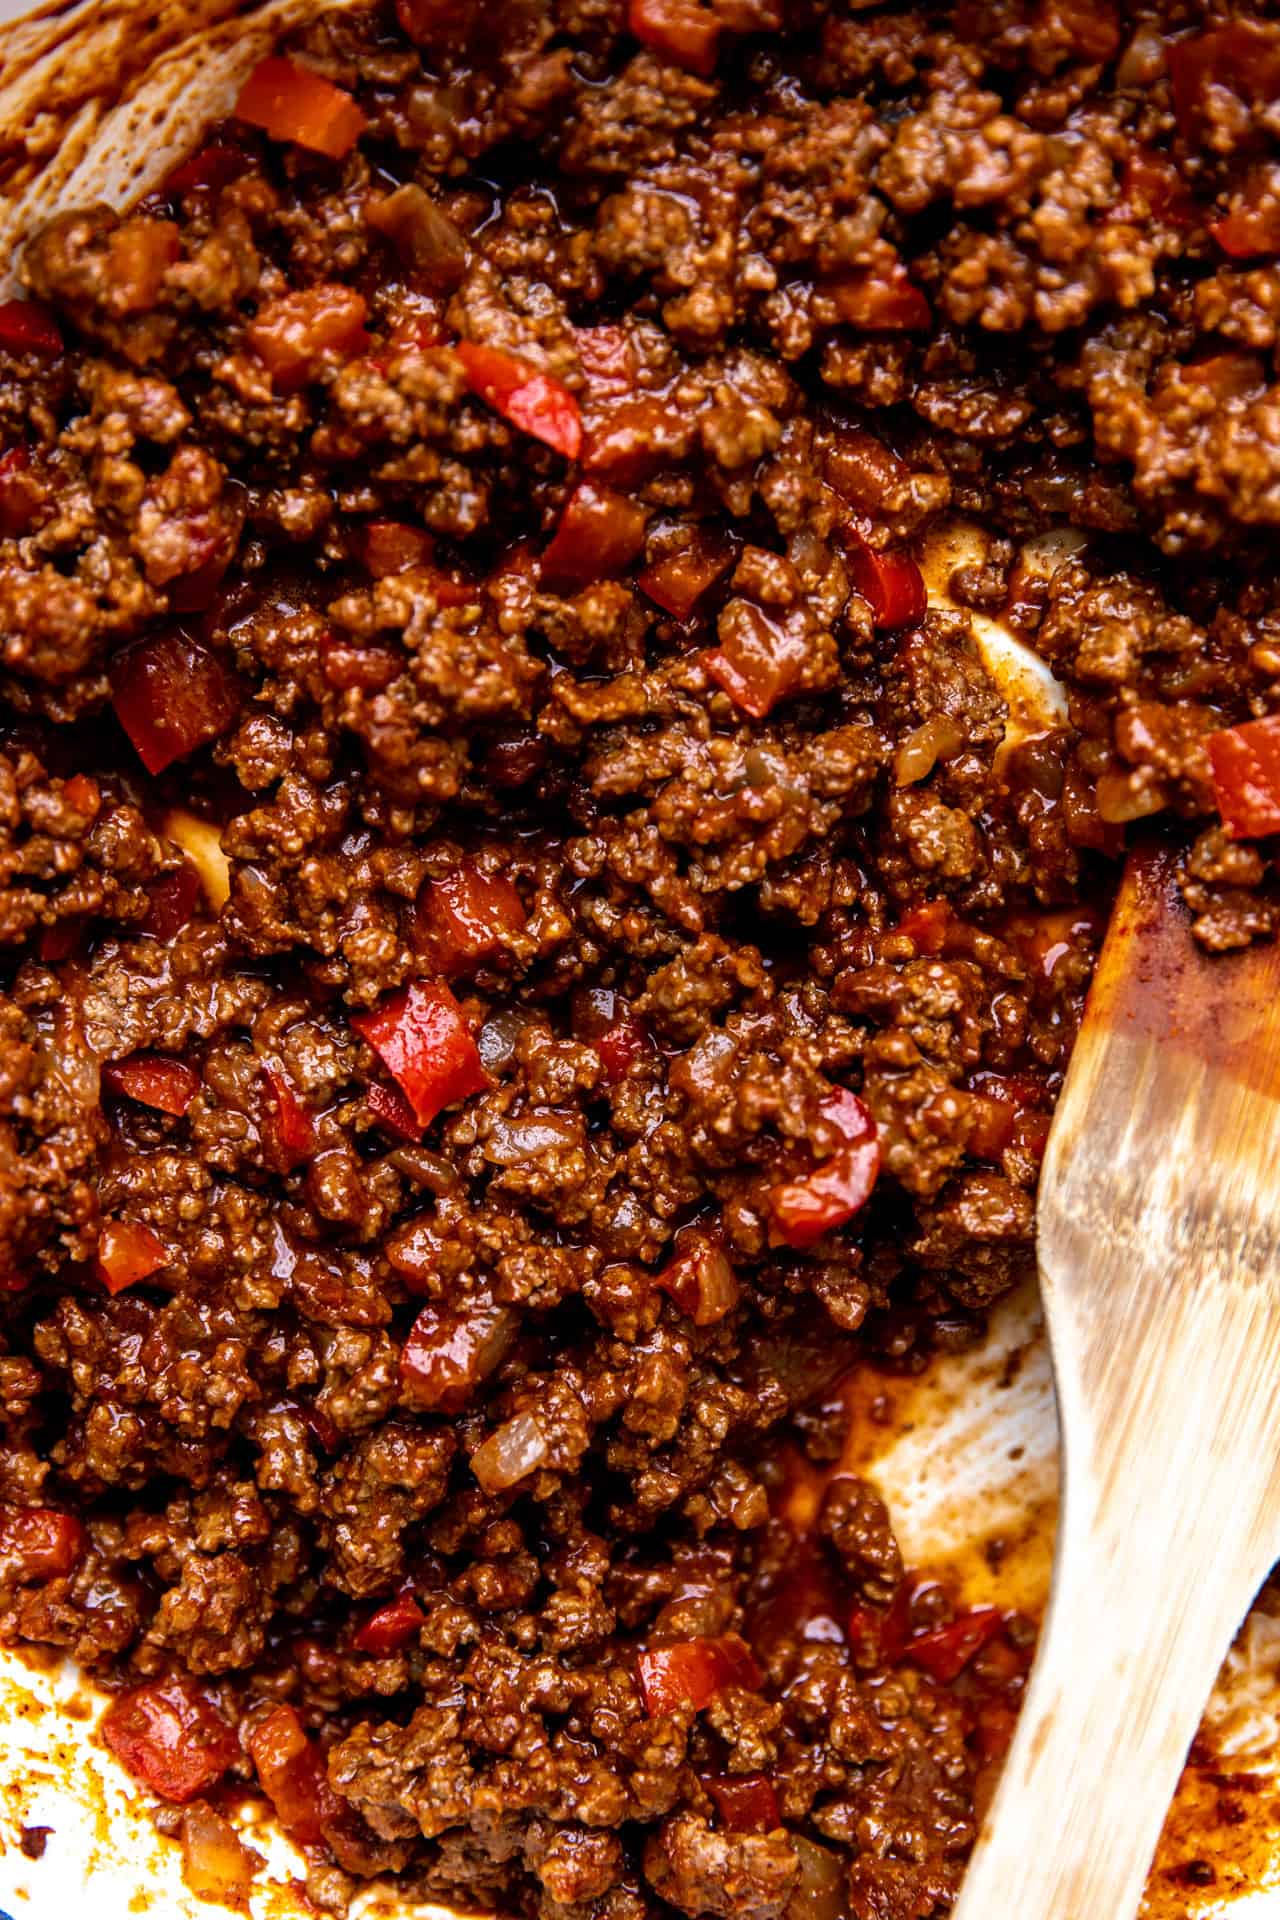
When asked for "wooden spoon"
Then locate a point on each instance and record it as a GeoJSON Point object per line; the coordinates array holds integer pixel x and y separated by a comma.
{"type": "Point", "coordinates": [1159, 1248]}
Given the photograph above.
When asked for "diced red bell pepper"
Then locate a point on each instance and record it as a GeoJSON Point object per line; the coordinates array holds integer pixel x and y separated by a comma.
{"type": "Point", "coordinates": [746, 1802]}
{"type": "Point", "coordinates": [440, 23]}
{"type": "Point", "coordinates": [58, 942]}
{"type": "Point", "coordinates": [700, 1279]}
{"type": "Point", "coordinates": [423, 1041]}
{"type": "Point", "coordinates": [759, 660]}
{"type": "Point", "coordinates": [392, 1111]}
{"type": "Point", "coordinates": [291, 1771]}
{"type": "Point", "coordinates": [632, 441]}
{"type": "Point", "coordinates": [155, 1080]}
{"type": "Point", "coordinates": [389, 546]}
{"type": "Point", "coordinates": [39, 1543]}
{"type": "Point", "coordinates": [891, 584]}
{"type": "Point", "coordinates": [467, 917]}
{"type": "Point", "coordinates": [1152, 188]}
{"type": "Point", "coordinates": [881, 302]}
{"type": "Point", "coordinates": [1006, 1111]}
{"type": "Point", "coordinates": [174, 898]}
{"type": "Point", "coordinates": [944, 1652]}
{"type": "Point", "coordinates": [369, 669]}
{"type": "Point", "coordinates": [1246, 777]}
{"type": "Point", "coordinates": [171, 695]}
{"type": "Point", "coordinates": [171, 1737]}
{"type": "Point", "coordinates": [449, 1352]}
{"type": "Point", "coordinates": [603, 1019]}
{"type": "Point", "coordinates": [83, 794]}
{"type": "Point", "coordinates": [393, 1627]}
{"type": "Point", "coordinates": [608, 360]}
{"type": "Point", "coordinates": [128, 1252]}
{"type": "Point", "coordinates": [804, 1210]}
{"type": "Point", "coordinates": [214, 166]}
{"type": "Point", "coordinates": [850, 1116]}
{"type": "Point", "coordinates": [1241, 55]}
{"type": "Point", "coordinates": [298, 335]}
{"type": "Point", "coordinates": [530, 399]}
{"type": "Point", "coordinates": [1248, 232]}
{"type": "Point", "coordinates": [314, 1419]}
{"type": "Point", "coordinates": [692, 1672]}
{"type": "Point", "coordinates": [682, 31]}
{"type": "Point", "coordinates": [927, 925]}
{"type": "Point", "coordinates": [895, 1622]}
{"type": "Point", "coordinates": [679, 581]}
{"type": "Point", "coordinates": [290, 1130]}
{"type": "Point", "coordinates": [28, 327]}
{"type": "Point", "coordinates": [599, 535]}
{"type": "Point", "coordinates": [290, 102]}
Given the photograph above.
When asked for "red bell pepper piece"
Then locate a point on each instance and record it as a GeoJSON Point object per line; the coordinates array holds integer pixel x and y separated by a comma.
{"type": "Point", "coordinates": [39, 1543]}
{"type": "Point", "coordinates": [678, 582]}
{"type": "Point", "coordinates": [299, 334]}
{"type": "Point", "coordinates": [691, 1673]}
{"type": "Point", "coordinates": [759, 661]}
{"type": "Point", "coordinates": [850, 1116]}
{"type": "Point", "coordinates": [212, 167]}
{"type": "Point", "coordinates": [171, 696]}
{"type": "Point", "coordinates": [1246, 777]}
{"type": "Point", "coordinates": [1241, 55]}
{"type": "Point", "coordinates": [891, 584]}
{"type": "Point", "coordinates": [291, 1771]}
{"type": "Point", "coordinates": [450, 1351]}
{"type": "Point", "coordinates": [28, 327]}
{"type": "Point", "coordinates": [804, 1210]}
{"type": "Point", "coordinates": [599, 535]}
{"type": "Point", "coordinates": [746, 1802]}
{"type": "Point", "coordinates": [881, 302]}
{"type": "Point", "coordinates": [530, 399]}
{"type": "Point", "coordinates": [290, 1129]}
{"type": "Point", "coordinates": [392, 1111]}
{"type": "Point", "coordinates": [392, 1627]}
{"type": "Point", "coordinates": [389, 546]}
{"type": "Point", "coordinates": [1246, 233]}
{"type": "Point", "coordinates": [603, 1019]}
{"type": "Point", "coordinates": [467, 917]}
{"type": "Point", "coordinates": [944, 1652]}
{"type": "Point", "coordinates": [682, 31]}
{"type": "Point", "coordinates": [927, 925]}
{"type": "Point", "coordinates": [290, 102]}
{"type": "Point", "coordinates": [631, 442]}
{"type": "Point", "coordinates": [1152, 188]}
{"type": "Point", "coordinates": [422, 1040]}
{"type": "Point", "coordinates": [171, 1738]}
{"type": "Point", "coordinates": [154, 1080]}
{"type": "Point", "coordinates": [368, 669]}
{"type": "Point", "coordinates": [700, 1279]}
{"type": "Point", "coordinates": [174, 898]}
{"type": "Point", "coordinates": [128, 1252]}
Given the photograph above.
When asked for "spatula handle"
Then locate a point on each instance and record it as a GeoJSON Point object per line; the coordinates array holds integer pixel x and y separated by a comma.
{"type": "Point", "coordinates": [1157, 1563]}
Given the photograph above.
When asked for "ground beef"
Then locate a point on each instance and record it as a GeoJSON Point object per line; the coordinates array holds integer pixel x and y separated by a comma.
{"type": "Point", "coordinates": [529, 953]}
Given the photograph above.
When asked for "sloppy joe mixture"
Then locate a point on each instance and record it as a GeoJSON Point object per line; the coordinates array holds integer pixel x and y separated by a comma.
{"type": "Point", "coordinates": [530, 952]}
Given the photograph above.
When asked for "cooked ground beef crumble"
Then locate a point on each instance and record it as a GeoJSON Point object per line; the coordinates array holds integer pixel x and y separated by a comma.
{"type": "Point", "coordinates": [527, 952]}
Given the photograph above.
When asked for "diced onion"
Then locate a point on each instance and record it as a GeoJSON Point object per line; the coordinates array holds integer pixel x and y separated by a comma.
{"type": "Point", "coordinates": [202, 844]}
{"type": "Point", "coordinates": [934, 739]}
{"type": "Point", "coordinates": [215, 1865]}
{"type": "Point", "coordinates": [510, 1455]}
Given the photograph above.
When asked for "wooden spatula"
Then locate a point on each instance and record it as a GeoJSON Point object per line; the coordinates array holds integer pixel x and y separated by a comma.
{"type": "Point", "coordinates": [1159, 1246]}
